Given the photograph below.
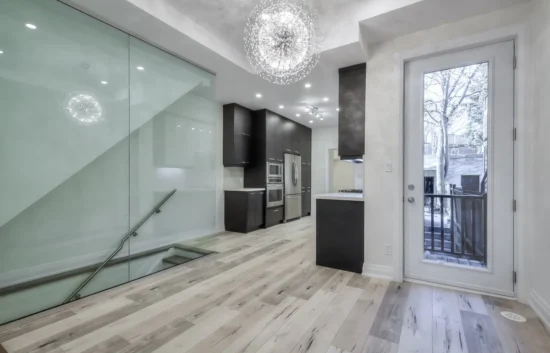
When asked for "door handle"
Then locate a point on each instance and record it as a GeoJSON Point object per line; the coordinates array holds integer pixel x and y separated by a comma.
{"type": "Point", "coordinates": [411, 199]}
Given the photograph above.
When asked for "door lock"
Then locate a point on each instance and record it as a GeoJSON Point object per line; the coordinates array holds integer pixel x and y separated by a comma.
{"type": "Point", "coordinates": [411, 187]}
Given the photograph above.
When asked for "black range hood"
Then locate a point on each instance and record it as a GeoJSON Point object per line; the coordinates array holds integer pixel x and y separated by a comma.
{"type": "Point", "coordinates": [351, 119]}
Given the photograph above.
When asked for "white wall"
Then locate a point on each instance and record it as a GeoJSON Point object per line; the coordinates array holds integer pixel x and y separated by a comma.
{"type": "Point", "coordinates": [540, 201]}
{"type": "Point", "coordinates": [323, 140]}
{"type": "Point", "coordinates": [383, 205]}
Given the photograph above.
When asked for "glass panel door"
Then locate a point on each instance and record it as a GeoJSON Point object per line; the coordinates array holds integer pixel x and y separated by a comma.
{"type": "Point", "coordinates": [455, 164]}
{"type": "Point", "coordinates": [63, 151]}
{"type": "Point", "coordinates": [459, 119]}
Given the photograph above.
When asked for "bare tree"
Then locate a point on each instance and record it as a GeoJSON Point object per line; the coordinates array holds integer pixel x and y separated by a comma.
{"type": "Point", "coordinates": [449, 95]}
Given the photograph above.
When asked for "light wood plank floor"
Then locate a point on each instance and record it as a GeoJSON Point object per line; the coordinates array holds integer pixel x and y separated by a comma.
{"type": "Point", "coordinates": [263, 293]}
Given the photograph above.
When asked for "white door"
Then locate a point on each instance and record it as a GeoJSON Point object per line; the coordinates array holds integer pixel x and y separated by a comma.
{"type": "Point", "coordinates": [459, 125]}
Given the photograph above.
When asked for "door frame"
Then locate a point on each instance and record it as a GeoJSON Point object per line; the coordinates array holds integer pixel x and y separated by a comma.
{"type": "Point", "coordinates": [521, 37]}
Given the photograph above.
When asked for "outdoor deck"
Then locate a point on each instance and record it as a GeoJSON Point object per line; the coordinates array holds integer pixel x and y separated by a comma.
{"type": "Point", "coordinates": [455, 229]}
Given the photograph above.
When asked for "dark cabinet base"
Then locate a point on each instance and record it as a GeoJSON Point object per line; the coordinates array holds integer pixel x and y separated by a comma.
{"type": "Point", "coordinates": [274, 216]}
{"type": "Point", "coordinates": [244, 211]}
{"type": "Point", "coordinates": [340, 235]}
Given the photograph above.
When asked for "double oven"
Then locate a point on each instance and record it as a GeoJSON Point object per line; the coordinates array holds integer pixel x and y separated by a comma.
{"type": "Point", "coordinates": [275, 186]}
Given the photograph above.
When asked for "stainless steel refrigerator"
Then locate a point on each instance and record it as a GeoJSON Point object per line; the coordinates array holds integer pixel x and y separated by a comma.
{"type": "Point", "coordinates": [293, 186]}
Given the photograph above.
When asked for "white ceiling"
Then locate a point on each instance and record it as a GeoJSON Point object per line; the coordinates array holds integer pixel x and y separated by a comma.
{"type": "Point", "coordinates": [209, 33]}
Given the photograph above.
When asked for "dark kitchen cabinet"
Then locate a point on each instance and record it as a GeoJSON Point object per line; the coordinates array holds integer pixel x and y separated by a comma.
{"type": "Point", "coordinates": [244, 210]}
{"type": "Point", "coordinates": [289, 139]}
{"type": "Point", "coordinates": [274, 136]}
{"type": "Point", "coordinates": [306, 174]}
{"type": "Point", "coordinates": [274, 216]}
{"type": "Point", "coordinates": [237, 135]}
{"type": "Point", "coordinates": [304, 140]}
{"type": "Point", "coordinates": [306, 201]}
{"type": "Point", "coordinates": [351, 119]}
{"type": "Point", "coordinates": [340, 234]}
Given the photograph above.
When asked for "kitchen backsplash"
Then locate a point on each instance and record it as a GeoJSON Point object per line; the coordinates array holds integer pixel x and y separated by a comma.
{"type": "Point", "coordinates": [233, 178]}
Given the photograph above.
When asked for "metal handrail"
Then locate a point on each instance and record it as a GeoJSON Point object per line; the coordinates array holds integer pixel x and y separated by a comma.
{"type": "Point", "coordinates": [132, 232]}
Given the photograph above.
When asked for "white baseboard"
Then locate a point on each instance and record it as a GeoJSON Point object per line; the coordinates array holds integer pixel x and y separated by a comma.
{"type": "Point", "coordinates": [541, 307]}
{"type": "Point", "coordinates": [378, 271]}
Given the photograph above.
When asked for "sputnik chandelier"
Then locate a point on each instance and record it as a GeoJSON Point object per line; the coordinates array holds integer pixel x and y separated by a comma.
{"type": "Point", "coordinates": [313, 111]}
{"type": "Point", "coordinates": [282, 40]}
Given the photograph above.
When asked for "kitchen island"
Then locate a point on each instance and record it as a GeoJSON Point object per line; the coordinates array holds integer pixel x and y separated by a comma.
{"type": "Point", "coordinates": [340, 231]}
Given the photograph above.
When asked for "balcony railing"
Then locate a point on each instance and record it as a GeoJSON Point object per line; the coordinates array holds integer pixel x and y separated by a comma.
{"type": "Point", "coordinates": [456, 225]}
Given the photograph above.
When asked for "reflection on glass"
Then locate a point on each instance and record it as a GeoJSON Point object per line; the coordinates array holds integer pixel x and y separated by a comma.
{"type": "Point", "coordinates": [74, 193]}
{"type": "Point", "coordinates": [172, 148]}
{"type": "Point", "coordinates": [67, 186]}
{"type": "Point", "coordinates": [455, 164]}
{"type": "Point", "coordinates": [84, 109]}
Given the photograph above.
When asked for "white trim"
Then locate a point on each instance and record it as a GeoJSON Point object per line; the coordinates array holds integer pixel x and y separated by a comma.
{"type": "Point", "coordinates": [459, 289]}
{"type": "Point", "coordinates": [519, 33]}
{"type": "Point", "coordinates": [541, 308]}
{"type": "Point", "coordinates": [378, 271]}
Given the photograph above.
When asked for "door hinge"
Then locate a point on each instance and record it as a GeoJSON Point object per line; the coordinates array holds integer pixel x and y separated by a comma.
{"type": "Point", "coordinates": [515, 206]}
{"type": "Point", "coordinates": [515, 134]}
{"type": "Point", "coordinates": [515, 275]}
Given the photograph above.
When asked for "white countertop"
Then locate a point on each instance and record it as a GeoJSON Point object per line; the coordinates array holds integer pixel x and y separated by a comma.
{"type": "Point", "coordinates": [341, 196]}
{"type": "Point", "coordinates": [246, 189]}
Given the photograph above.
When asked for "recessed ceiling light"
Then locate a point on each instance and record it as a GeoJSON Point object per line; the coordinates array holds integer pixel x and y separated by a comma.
{"type": "Point", "coordinates": [30, 25]}
{"type": "Point", "coordinates": [192, 128]}
{"type": "Point", "coordinates": [1, 52]}
{"type": "Point", "coordinates": [337, 109]}
{"type": "Point", "coordinates": [258, 95]}
{"type": "Point", "coordinates": [200, 130]}
{"type": "Point", "coordinates": [281, 106]}
{"type": "Point", "coordinates": [307, 85]}
{"type": "Point", "coordinates": [298, 115]}
{"type": "Point", "coordinates": [104, 82]}
{"type": "Point", "coordinates": [311, 121]}
{"type": "Point", "coordinates": [140, 68]}
{"type": "Point", "coordinates": [321, 119]}
{"type": "Point", "coordinates": [179, 125]}
{"type": "Point", "coordinates": [325, 99]}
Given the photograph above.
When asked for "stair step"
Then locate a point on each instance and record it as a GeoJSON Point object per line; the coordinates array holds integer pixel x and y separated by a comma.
{"type": "Point", "coordinates": [176, 260]}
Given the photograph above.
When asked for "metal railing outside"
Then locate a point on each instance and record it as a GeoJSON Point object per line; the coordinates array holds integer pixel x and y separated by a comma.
{"type": "Point", "coordinates": [461, 229]}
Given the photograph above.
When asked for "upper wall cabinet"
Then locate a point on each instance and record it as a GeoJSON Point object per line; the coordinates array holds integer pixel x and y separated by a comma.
{"type": "Point", "coordinates": [351, 122]}
{"type": "Point", "coordinates": [304, 143]}
{"type": "Point", "coordinates": [274, 136]}
{"type": "Point", "coordinates": [237, 135]}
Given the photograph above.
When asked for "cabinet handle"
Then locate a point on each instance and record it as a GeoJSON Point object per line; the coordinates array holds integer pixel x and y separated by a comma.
{"type": "Point", "coordinates": [277, 210]}
{"type": "Point", "coordinates": [271, 159]}
{"type": "Point", "coordinates": [296, 151]}
{"type": "Point", "coordinates": [246, 134]}
{"type": "Point", "coordinates": [252, 193]}
{"type": "Point", "coordinates": [286, 149]}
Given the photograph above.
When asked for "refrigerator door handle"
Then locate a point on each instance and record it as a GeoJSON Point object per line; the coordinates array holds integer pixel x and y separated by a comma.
{"type": "Point", "coordinates": [294, 173]}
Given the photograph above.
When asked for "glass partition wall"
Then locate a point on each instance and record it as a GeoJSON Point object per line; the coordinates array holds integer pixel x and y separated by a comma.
{"type": "Point", "coordinates": [96, 129]}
